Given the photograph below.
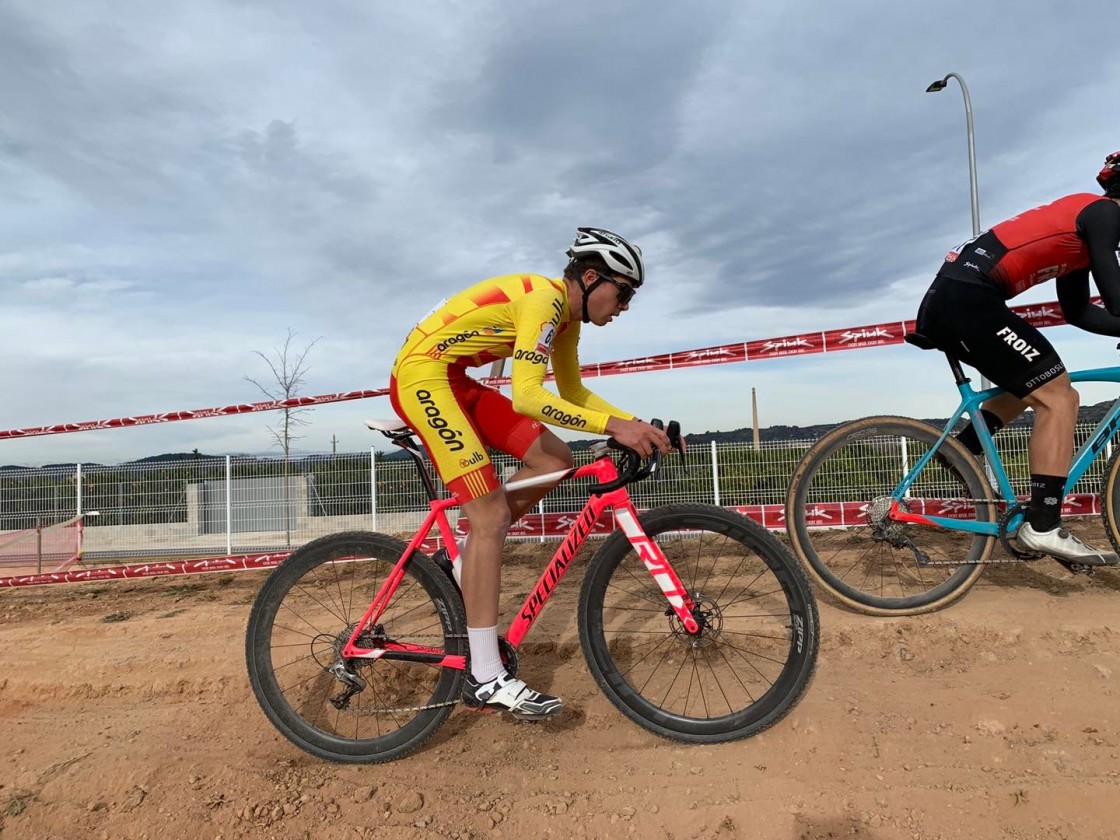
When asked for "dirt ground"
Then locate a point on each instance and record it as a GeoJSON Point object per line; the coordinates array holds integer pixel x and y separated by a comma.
{"type": "Point", "coordinates": [125, 712]}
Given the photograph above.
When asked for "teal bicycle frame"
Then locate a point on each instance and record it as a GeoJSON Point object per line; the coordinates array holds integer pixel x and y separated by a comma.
{"type": "Point", "coordinates": [970, 405]}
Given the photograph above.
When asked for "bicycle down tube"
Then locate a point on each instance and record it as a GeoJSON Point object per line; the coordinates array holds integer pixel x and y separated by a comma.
{"type": "Point", "coordinates": [648, 551]}
{"type": "Point", "coordinates": [970, 403]}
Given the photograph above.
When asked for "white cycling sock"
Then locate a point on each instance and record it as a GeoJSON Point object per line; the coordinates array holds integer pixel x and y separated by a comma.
{"type": "Point", "coordinates": [486, 659]}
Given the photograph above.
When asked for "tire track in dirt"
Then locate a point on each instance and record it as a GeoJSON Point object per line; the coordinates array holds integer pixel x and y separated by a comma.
{"type": "Point", "coordinates": [994, 718]}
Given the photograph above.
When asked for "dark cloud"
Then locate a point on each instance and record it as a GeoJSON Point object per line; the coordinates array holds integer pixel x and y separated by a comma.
{"type": "Point", "coordinates": [338, 168]}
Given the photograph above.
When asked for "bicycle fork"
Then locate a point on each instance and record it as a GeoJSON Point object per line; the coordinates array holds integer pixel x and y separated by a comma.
{"type": "Point", "coordinates": [649, 552]}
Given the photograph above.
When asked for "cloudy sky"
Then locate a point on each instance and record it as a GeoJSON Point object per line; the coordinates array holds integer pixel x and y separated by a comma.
{"type": "Point", "coordinates": [181, 184]}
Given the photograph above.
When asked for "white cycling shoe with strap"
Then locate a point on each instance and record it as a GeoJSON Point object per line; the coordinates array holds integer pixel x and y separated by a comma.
{"type": "Point", "coordinates": [509, 694]}
{"type": "Point", "coordinates": [1060, 543]}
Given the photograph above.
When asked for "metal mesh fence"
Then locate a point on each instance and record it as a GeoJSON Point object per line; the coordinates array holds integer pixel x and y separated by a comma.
{"type": "Point", "coordinates": [224, 505]}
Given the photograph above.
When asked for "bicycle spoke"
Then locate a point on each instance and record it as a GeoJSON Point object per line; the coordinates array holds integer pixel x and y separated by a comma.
{"type": "Point", "coordinates": [383, 706]}
{"type": "Point", "coordinates": [726, 677]}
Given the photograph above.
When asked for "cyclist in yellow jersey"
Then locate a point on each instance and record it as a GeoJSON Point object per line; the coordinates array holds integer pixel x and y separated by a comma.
{"type": "Point", "coordinates": [532, 319]}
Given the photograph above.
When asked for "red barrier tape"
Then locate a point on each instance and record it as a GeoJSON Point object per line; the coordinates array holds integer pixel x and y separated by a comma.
{"type": "Point", "coordinates": [234, 563]}
{"type": "Point", "coordinates": [829, 341]}
{"type": "Point", "coordinates": [195, 414]}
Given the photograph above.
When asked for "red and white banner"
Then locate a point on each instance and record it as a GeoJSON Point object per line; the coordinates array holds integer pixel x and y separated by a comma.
{"type": "Point", "coordinates": [548, 526]}
{"type": "Point", "coordinates": [190, 414]}
{"type": "Point", "coordinates": [239, 562]}
{"type": "Point", "coordinates": [830, 341]}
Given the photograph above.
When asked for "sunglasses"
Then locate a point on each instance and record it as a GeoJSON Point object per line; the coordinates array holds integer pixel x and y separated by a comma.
{"type": "Point", "coordinates": [625, 290]}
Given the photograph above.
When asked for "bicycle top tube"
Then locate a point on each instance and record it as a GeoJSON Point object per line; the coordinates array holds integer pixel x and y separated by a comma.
{"type": "Point", "coordinates": [610, 476]}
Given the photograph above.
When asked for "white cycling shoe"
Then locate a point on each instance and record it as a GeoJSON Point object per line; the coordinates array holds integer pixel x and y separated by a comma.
{"type": "Point", "coordinates": [1063, 545]}
{"type": "Point", "coordinates": [509, 694]}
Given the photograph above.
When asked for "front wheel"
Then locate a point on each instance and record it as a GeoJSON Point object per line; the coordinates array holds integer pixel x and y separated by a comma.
{"type": "Point", "coordinates": [353, 710]}
{"type": "Point", "coordinates": [836, 515]}
{"type": "Point", "coordinates": [757, 647]}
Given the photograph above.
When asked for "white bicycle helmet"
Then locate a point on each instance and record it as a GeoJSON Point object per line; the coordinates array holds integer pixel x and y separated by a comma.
{"type": "Point", "coordinates": [620, 256]}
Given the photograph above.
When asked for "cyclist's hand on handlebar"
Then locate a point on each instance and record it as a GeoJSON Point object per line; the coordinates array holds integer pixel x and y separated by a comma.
{"type": "Point", "coordinates": [639, 436]}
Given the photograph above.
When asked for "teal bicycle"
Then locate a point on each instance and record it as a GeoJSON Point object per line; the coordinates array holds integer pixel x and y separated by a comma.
{"type": "Point", "coordinates": [893, 516]}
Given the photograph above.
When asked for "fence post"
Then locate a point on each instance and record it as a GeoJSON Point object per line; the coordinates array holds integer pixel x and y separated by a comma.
{"type": "Point", "coordinates": [905, 456]}
{"type": "Point", "coordinates": [229, 507]}
{"type": "Point", "coordinates": [715, 474]}
{"type": "Point", "coordinates": [372, 490]}
{"type": "Point", "coordinates": [78, 488]}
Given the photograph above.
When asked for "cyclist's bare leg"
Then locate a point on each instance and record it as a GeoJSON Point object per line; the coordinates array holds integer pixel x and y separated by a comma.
{"type": "Point", "coordinates": [1055, 407]}
{"type": "Point", "coordinates": [1005, 406]}
{"type": "Point", "coordinates": [1051, 450]}
{"type": "Point", "coordinates": [547, 454]}
{"type": "Point", "coordinates": [482, 557]}
{"type": "Point", "coordinates": [488, 686]}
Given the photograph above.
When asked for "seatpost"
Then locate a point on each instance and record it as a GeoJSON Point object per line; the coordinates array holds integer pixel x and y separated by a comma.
{"type": "Point", "coordinates": [408, 445]}
{"type": "Point", "coordinates": [958, 371]}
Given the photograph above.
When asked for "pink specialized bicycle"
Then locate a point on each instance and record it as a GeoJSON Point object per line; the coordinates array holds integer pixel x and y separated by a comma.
{"type": "Point", "coordinates": [696, 622]}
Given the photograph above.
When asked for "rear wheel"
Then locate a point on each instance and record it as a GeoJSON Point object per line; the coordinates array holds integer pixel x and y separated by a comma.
{"type": "Point", "coordinates": [757, 647]}
{"type": "Point", "coordinates": [836, 516]}
{"type": "Point", "coordinates": [353, 710]}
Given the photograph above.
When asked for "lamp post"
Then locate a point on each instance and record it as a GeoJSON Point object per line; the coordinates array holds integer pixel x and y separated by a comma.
{"type": "Point", "coordinates": [941, 84]}
{"type": "Point", "coordinates": [934, 87]}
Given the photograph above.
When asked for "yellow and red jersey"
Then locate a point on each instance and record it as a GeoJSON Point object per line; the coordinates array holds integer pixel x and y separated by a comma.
{"type": "Point", "coordinates": [520, 316]}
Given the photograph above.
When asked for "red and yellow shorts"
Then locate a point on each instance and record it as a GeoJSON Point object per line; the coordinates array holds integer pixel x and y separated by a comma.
{"type": "Point", "coordinates": [457, 418]}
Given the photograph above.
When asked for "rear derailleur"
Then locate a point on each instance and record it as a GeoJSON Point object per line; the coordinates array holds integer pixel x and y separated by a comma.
{"type": "Point", "coordinates": [883, 529]}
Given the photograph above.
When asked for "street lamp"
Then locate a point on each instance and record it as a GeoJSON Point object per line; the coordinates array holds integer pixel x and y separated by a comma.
{"type": "Point", "coordinates": [941, 84]}
{"type": "Point", "coordinates": [934, 87]}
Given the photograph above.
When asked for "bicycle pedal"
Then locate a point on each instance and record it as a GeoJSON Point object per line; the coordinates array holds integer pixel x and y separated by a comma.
{"type": "Point", "coordinates": [1078, 568]}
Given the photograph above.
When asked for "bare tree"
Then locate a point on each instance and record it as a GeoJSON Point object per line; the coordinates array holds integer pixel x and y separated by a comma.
{"type": "Point", "coordinates": [288, 369]}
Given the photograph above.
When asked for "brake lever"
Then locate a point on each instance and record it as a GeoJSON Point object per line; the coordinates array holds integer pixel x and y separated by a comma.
{"type": "Point", "coordinates": [654, 463]}
{"type": "Point", "coordinates": [673, 430]}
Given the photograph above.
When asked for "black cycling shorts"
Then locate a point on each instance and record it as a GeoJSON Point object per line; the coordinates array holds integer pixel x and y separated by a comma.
{"type": "Point", "coordinates": [970, 320]}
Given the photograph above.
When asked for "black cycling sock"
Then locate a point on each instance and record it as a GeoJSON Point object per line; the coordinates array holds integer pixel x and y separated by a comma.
{"type": "Point", "coordinates": [1047, 493]}
{"type": "Point", "coordinates": [968, 436]}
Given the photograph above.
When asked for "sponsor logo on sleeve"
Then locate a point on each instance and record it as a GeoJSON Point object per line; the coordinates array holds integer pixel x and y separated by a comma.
{"type": "Point", "coordinates": [437, 351]}
{"type": "Point", "coordinates": [544, 340]}
{"type": "Point", "coordinates": [563, 418]}
{"type": "Point", "coordinates": [530, 356]}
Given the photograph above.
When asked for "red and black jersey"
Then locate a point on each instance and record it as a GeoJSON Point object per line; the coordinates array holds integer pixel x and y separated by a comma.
{"type": "Point", "coordinates": [1079, 232]}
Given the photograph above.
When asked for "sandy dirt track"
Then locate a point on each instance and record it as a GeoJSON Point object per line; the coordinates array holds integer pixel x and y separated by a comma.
{"type": "Point", "coordinates": [125, 712]}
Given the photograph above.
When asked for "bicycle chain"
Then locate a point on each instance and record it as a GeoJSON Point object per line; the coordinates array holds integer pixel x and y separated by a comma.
{"type": "Point", "coordinates": [992, 559]}
{"type": "Point", "coordinates": [401, 709]}
{"type": "Point", "coordinates": [397, 709]}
